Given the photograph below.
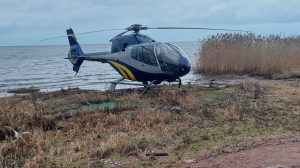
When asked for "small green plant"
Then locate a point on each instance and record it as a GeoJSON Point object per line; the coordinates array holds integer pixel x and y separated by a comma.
{"type": "Point", "coordinates": [187, 138]}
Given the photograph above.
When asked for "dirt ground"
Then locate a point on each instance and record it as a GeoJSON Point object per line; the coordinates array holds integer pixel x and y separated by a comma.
{"type": "Point", "coordinates": [279, 153]}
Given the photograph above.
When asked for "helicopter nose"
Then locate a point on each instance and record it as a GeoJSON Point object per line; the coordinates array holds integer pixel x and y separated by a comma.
{"type": "Point", "coordinates": [185, 66]}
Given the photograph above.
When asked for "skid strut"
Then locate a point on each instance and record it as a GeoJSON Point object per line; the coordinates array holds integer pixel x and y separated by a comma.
{"type": "Point", "coordinates": [113, 84]}
{"type": "Point", "coordinates": [148, 86]}
{"type": "Point", "coordinates": [179, 82]}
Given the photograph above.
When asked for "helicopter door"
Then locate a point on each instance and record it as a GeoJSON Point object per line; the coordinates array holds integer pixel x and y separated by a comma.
{"type": "Point", "coordinates": [145, 57]}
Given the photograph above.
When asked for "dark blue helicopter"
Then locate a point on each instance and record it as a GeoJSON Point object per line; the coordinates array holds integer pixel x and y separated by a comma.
{"type": "Point", "coordinates": [137, 57]}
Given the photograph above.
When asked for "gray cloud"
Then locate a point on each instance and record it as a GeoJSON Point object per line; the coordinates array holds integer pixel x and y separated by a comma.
{"type": "Point", "coordinates": [38, 19]}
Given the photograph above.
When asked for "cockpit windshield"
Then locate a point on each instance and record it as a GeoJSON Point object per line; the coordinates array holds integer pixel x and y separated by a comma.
{"type": "Point", "coordinates": [168, 58]}
{"type": "Point", "coordinates": [165, 51]}
{"type": "Point", "coordinates": [164, 55]}
{"type": "Point", "coordinates": [182, 53]}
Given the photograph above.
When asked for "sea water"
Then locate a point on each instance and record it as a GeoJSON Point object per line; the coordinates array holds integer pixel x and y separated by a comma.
{"type": "Point", "coordinates": [45, 68]}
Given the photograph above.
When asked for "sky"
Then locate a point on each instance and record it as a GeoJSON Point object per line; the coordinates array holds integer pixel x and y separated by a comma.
{"type": "Point", "coordinates": [27, 22]}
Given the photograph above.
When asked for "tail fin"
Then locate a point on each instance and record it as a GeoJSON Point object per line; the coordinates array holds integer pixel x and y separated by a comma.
{"type": "Point", "coordinates": [75, 51]}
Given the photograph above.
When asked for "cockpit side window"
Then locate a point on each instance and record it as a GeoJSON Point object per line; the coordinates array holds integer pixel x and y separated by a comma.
{"type": "Point", "coordinates": [140, 54]}
{"type": "Point", "coordinates": [134, 53]}
{"type": "Point", "coordinates": [149, 57]}
{"type": "Point", "coordinates": [144, 54]}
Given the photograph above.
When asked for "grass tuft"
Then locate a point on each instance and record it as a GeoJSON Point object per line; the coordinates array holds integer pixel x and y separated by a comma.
{"type": "Point", "coordinates": [210, 119]}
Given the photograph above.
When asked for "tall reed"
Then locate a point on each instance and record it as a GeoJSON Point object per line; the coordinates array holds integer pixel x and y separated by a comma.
{"type": "Point", "coordinates": [248, 54]}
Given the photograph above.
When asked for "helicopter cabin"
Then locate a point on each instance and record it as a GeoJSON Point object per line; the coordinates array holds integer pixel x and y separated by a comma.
{"type": "Point", "coordinates": [120, 43]}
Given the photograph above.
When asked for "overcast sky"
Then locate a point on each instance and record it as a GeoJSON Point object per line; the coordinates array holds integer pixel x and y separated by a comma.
{"type": "Point", "coordinates": [26, 22]}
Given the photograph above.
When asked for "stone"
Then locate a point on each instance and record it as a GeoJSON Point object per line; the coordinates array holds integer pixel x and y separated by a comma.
{"type": "Point", "coordinates": [176, 109]}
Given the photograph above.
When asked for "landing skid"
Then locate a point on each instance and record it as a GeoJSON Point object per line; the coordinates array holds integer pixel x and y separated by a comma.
{"type": "Point", "coordinates": [113, 84]}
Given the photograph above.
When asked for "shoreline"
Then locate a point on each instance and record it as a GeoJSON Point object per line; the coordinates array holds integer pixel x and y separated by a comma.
{"type": "Point", "coordinates": [205, 81]}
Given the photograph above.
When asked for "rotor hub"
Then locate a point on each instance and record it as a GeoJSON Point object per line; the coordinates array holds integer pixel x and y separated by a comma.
{"type": "Point", "coordinates": [136, 28]}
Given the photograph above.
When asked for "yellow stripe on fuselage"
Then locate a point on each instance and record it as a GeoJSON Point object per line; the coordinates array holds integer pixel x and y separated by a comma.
{"type": "Point", "coordinates": [122, 69]}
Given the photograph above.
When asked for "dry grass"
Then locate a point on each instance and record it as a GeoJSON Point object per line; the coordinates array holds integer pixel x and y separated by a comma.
{"type": "Point", "coordinates": [237, 54]}
{"type": "Point", "coordinates": [66, 133]}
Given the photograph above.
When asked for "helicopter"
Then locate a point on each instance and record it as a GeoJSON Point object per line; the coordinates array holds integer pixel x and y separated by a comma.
{"type": "Point", "coordinates": [137, 57]}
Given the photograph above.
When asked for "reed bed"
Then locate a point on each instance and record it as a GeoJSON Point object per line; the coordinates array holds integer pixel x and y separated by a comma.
{"type": "Point", "coordinates": [238, 54]}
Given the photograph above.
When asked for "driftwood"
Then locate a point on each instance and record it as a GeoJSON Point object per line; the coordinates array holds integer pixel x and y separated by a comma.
{"type": "Point", "coordinates": [156, 154]}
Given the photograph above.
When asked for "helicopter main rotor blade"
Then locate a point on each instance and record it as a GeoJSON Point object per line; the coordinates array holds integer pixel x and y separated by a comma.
{"type": "Point", "coordinates": [202, 28]}
{"type": "Point", "coordinates": [119, 35]}
{"type": "Point", "coordinates": [80, 33]}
